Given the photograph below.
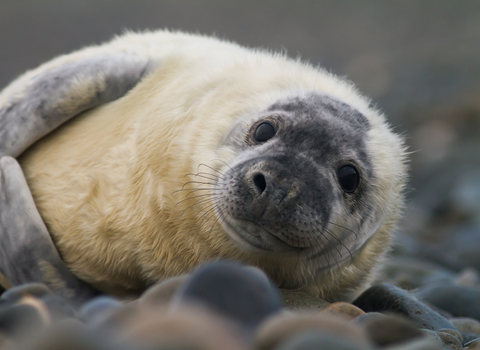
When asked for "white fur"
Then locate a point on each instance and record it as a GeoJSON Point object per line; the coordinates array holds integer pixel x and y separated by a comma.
{"type": "Point", "coordinates": [104, 183]}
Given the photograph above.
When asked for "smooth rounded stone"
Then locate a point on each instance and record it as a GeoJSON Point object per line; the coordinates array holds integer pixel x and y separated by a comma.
{"type": "Point", "coordinates": [450, 341]}
{"type": "Point", "coordinates": [97, 308]}
{"type": "Point", "coordinates": [59, 308]}
{"type": "Point", "coordinates": [467, 325]}
{"type": "Point", "coordinates": [432, 336]}
{"type": "Point", "coordinates": [116, 319]}
{"type": "Point", "coordinates": [161, 293]}
{"type": "Point", "coordinates": [233, 291]}
{"type": "Point", "coordinates": [342, 309]}
{"type": "Point", "coordinates": [367, 317]}
{"type": "Point", "coordinates": [468, 277]}
{"type": "Point", "coordinates": [453, 332]}
{"type": "Point", "coordinates": [18, 319]}
{"type": "Point", "coordinates": [277, 329]}
{"type": "Point", "coordinates": [473, 345]}
{"type": "Point", "coordinates": [386, 297]}
{"type": "Point", "coordinates": [468, 337]}
{"type": "Point", "coordinates": [409, 272]}
{"type": "Point", "coordinates": [457, 300]}
{"type": "Point", "coordinates": [417, 344]}
{"type": "Point", "coordinates": [391, 329]}
{"type": "Point", "coordinates": [319, 340]}
{"type": "Point", "coordinates": [300, 301]}
{"type": "Point", "coordinates": [191, 328]}
{"type": "Point", "coordinates": [16, 293]}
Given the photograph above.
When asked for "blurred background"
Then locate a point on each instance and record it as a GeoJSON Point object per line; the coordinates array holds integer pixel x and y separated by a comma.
{"type": "Point", "coordinates": [418, 61]}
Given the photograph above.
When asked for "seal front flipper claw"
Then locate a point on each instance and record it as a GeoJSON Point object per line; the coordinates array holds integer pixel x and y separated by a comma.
{"type": "Point", "coordinates": [27, 252]}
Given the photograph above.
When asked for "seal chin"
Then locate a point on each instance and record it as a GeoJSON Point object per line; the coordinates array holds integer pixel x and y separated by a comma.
{"type": "Point", "coordinates": [254, 238]}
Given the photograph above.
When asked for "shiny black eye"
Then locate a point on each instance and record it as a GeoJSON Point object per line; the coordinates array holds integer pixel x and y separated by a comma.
{"type": "Point", "coordinates": [264, 132]}
{"type": "Point", "coordinates": [348, 178]}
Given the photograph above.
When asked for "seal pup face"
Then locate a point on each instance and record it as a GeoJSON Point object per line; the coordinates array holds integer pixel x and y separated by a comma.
{"type": "Point", "coordinates": [302, 182]}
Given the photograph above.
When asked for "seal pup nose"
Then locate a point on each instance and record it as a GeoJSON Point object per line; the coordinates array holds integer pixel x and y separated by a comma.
{"type": "Point", "coordinates": [260, 183]}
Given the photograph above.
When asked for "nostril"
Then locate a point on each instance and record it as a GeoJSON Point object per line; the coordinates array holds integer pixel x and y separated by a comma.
{"type": "Point", "coordinates": [260, 183]}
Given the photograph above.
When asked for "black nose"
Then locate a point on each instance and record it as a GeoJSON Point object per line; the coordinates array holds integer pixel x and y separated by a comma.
{"type": "Point", "coordinates": [260, 183]}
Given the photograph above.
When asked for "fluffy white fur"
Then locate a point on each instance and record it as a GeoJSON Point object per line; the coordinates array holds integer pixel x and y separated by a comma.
{"type": "Point", "coordinates": [104, 182]}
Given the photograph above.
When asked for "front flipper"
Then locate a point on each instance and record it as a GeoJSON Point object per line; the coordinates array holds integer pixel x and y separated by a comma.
{"type": "Point", "coordinates": [43, 102]}
{"type": "Point", "coordinates": [27, 252]}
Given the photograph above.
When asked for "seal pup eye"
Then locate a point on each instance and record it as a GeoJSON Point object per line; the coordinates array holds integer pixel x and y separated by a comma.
{"type": "Point", "coordinates": [348, 178]}
{"type": "Point", "coordinates": [264, 132]}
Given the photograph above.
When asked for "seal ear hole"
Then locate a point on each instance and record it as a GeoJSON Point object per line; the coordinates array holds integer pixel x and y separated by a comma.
{"type": "Point", "coordinates": [348, 178]}
{"type": "Point", "coordinates": [264, 132]}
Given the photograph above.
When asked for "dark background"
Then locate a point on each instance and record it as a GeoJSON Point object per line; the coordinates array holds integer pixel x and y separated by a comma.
{"type": "Point", "coordinates": [418, 60]}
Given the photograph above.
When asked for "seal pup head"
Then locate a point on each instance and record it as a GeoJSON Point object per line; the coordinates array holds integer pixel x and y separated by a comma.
{"type": "Point", "coordinates": [307, 191]}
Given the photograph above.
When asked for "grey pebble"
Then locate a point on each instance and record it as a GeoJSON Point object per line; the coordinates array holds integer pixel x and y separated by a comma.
{"type": "Point", "coordinates": [453, 332]}
{"type": "Point", "coordinates": [386, 297]}
{"type": "Point", "coordinates": [97, 308]}
{"type": "Point", "coordinates": [467, 325]}
{"type": "Point", "coordinates": [31, 289]}
{"type": "Point", "coordinates": [300, 301]}
{"type": "Point", "coordinates": [468, 337]}
{"type": "Point", "coordinates": [450, 341]}
{"type": "Point", "coordinates": [457, 300]}
{"type": "Point", "coordinates": [319, 340]}
{"type": "Point", "coordinates": [473, 345]}
{"type": "Point", "coordinates": [433, 336]}
{"type": "Point", "coordinates": [367, 317]}
{"type": "Point", "coordinates": [417, 344]}
{"type": "Point", "coordinates": [391, 329]}
{"type": "Point", "coordinates": [468, 277]}
{"type": "Point", "coordinates": [161, 293]}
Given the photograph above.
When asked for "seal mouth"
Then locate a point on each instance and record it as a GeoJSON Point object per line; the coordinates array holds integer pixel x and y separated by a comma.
{"type": "Point", "coordinates": [253, 237]}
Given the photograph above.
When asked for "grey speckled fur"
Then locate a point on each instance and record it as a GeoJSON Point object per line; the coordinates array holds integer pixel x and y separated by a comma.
{"type": "Point", "coordinates": [27, 118]}
{"type": "Point", "coordinates": [27, 252]}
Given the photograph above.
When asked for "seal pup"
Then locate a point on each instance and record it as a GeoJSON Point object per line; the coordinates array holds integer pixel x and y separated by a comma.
{"type": "Point", "coordinates": [290, 168]}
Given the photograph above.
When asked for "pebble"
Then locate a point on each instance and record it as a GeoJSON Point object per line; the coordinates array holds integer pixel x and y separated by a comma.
{"type": "Point", "coordinates": [161, 293]}
{"type": "Point", "coordinates": [391, 329]}
{"type": "Point", "coordinates": [319, 340]}
{"type": "Point", "coordinates": [457, 300]}
{"type": "Point", "coordinates": [18, 319]}
{"type": "Point", "coordinates": [342, 309]}
{"type": "Point", "coordinates": [468, 337]}
{"type": "Point", "coordinates": [367, 317]}
{"type": "Point", "coordinates": [453, 332]}
{"type": "Point", "coordinates": [96, 309]}
{"type": "Point", "coordinates": [467, 325]}
{"type": "Point", "coordinates": [277, 329]}
{"type": "Point", "coordinates": [185, 329]}
{"type": "Point", "coordinates": [468, 277]}
{"type": "Point", "coordinates": [386, 297]}
{"type": "Point", "coordinates": [233, 291]}
{"type": "Point", "coordinates": [300, 301]}
{"type": "Point", "coordinates": [450, 341]}
{"type": "Point", "coordinates": [473, 345]}
{"type": "Point", "coordinates": [417, 344]}
{"type": "Point", "coordinates": [432, 336]}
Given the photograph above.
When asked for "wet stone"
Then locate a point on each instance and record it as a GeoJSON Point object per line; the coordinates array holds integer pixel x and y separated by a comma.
{"type": "Point", "coordinates": [18, 292]}
{"type": "Point", "coordinates": [233, 291]}
{"type": "Point", "coordinates": [319, 340]}
{"type": "Point", "coordinates": [368, 317]}
{"type": "Point", "coordinates": [342, 309]}
{"type": "Point", "coordinates": [432, 336]}
{"type": "Point", "coordinates": [457, 300]}
{"type": "Point", "coordinates": [468, 337]}
{"type": "Point", "coordinates": [18, 319]}
{"type": "Point", "coordinates": [385, 297]}
{"type": "Point", "coordinates": [473, 345]}
{"type": "Point", "coordinates": [450, 341]}
{"type": "Point", "coordinates": [277, 329]}
{"type": "Point", "coordinates": [453, 332]}
{"type": "Point", "coordinates": [161, 293]}
{"type": "Point", "coordinates": [417, 344]}
{"type": "Point", "coordinates": [300, 301]}
{"type": "Point", "coordinates": [97, 308]}
{"type": "Point", "coordinates": [391, 329]}
{"type": "Point", "coordinates": [468, 277]}
{"type": "Point", "coordinates": [468, 325]}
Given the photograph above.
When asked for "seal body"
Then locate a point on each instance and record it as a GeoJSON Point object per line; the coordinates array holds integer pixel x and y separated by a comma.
{"type": "Point", "coordinates": [221, 152]}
